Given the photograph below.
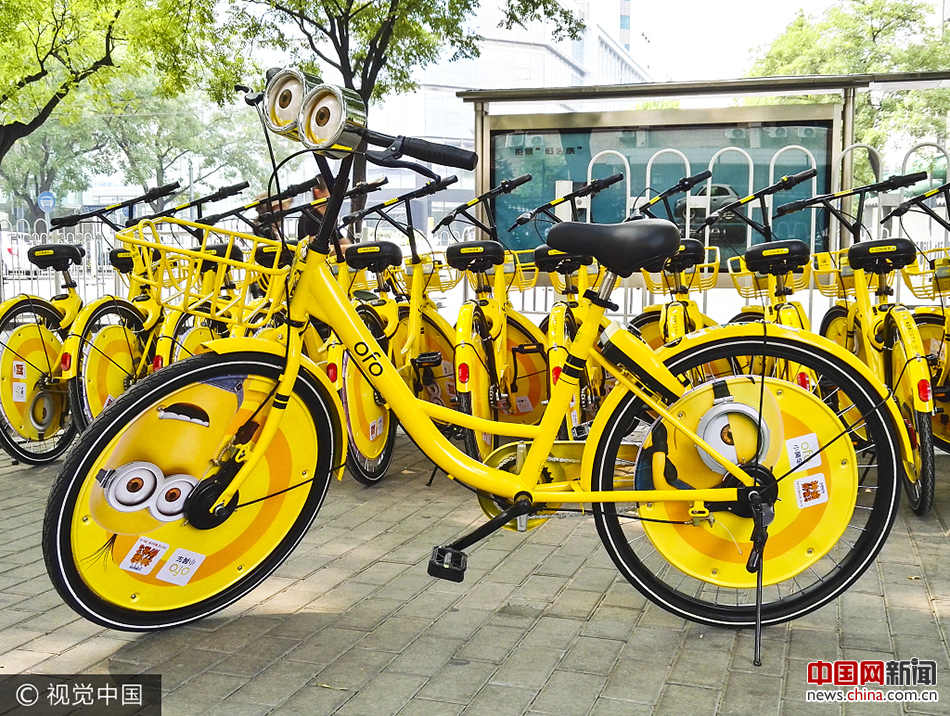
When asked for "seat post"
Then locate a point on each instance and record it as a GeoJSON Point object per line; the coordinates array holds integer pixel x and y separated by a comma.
{"type": "Point", "coordinates": [607, 286]}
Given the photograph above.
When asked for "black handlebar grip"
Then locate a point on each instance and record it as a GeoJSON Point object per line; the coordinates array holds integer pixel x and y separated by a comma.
{"type": "Point", "coordinates": [226, 191]}
{"type": "Point", "coordinates": [512, 184]}
{"type": "Point", "coordinates": [609, 181]}
{"type": "Point", "coordinates": [898, 182]}
{"type": "Point", "coordinates": [443, 154]}
{"type": "Point", "coordinates": [791, 207]}
{"type": "Point", "coordinates": [795, 179]}
{"type": "Point", "coordinates": [689, 182]}
{"type": "Point", "coordinates": [64, 221]}
{"type": "Point", "coordinates": [161, 191]}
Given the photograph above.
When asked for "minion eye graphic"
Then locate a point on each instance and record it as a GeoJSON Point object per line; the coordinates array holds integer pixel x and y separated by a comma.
{"type": "Point", "coordinates": [132, 486]}
{"type": "Point", "coordinates": [170, 499]}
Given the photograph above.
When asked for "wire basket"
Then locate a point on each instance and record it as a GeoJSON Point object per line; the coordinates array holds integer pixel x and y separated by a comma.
{"type": "Point", "coordinates": [438, 274]}
{"type": "Point", "coordinates": [929, 276]}
{"type": "Point", "coordinates": [595, 272]}
{"type": "Point", "coordinates": [700, 277]}
{"type": "Point", "coordinates": [520, 271]}
{"type": "Point", "coordinates": [231, 278]}
{"type": "Point", "coordinates": [752, 284]}
{"type": "Point", "coordinates": [834, 276]}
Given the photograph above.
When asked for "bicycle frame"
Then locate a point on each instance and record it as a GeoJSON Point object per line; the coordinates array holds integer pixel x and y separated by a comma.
{"type": "Point", "coordinates": [320, 296]}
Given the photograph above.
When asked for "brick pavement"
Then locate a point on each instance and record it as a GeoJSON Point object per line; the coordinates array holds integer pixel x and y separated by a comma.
{"type": "Point", "coordinates": [352, 624]}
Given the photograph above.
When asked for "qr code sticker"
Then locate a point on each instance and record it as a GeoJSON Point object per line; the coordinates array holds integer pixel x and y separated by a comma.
{"type": "Point", "coordinates": [19, 392]}
{"type": "Point", "coordinates": [811, 490]}
{"type": "Point", "coordinates": [143, 556]}
{"type": "Point", "coordinates": [523, 403]}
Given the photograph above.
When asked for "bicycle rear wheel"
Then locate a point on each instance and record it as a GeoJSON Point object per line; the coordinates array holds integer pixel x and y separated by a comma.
{"type": "Point", "coordinates": [832, 516]}
{"type": "Point", "coordinates": [117, 546]}
{"type": "Point", "coordinates": [111, 347]}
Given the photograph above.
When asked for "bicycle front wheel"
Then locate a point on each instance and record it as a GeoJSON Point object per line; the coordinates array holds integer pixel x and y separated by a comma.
{"type": "Point", "coordinates": [834, 503]}
{"type": "Point", "coordinates": [116, 544]}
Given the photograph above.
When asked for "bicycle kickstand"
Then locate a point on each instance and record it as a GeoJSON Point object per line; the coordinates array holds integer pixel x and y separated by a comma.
{"type": "Point", "coordinates": [762, 516]}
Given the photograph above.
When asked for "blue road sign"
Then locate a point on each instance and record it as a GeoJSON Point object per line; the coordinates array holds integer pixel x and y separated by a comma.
{"type": "Point", "coordinates": [46, 201]}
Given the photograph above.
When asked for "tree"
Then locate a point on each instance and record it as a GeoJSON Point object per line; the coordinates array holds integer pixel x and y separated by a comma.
{"type": "Point", "coordinates": [56, 157]}
{"type": "Point", "coordinates": [857, 36]}
{"type": "Point", "coordinates": [154, 139]}
{"type": "Point", "coordinates": [50, 48]}
{"type": "Point", "coordinates": [377, 46]}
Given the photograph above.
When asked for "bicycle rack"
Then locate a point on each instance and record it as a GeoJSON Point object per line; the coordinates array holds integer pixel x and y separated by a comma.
{"type": "Point", "coordinates": [946, 155]}
{"type": "Point", "coordinates": [812, 164]}
{"type": "Point", "coordinates": [707, 204]}
{"type": "Point", "coordinates": [647, 180]}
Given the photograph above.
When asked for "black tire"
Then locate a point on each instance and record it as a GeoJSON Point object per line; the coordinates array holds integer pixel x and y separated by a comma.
{"type": "Point", "coordinates": [48, 449]}
{"type": "Point", "coordinates": [365, 470]}
{"type": "Point", "coordinates": [920, 494]}
{"type": "Point", "coordinates": [125, 314]}
{"type": "Point", "coordinates": [684, 597]}
{"type": "Point", "coordinates": [57, 547]}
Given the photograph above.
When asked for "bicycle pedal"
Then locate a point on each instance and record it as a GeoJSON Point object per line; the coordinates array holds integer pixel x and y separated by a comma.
{"type": "Point", "coordinates": [448, 563]}
{"type": "Point", "coordinates": [432, 359]}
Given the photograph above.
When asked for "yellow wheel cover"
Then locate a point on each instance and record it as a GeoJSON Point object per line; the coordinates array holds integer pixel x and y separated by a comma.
{"type": "Point", "coordinates": [367, 420]}
{"type": "Point", "coordinates": [815, 503]}
{"type": "Point", "coordinates": [29, 352]}
{"type": "Point", "coordinates": [442, 392]}
{"type": "Point", "coordinates": [130, 544]}
{"type": "Point", "coordinates": [108, 364]}
{"type": "Point", "coordinates": [190, 344]}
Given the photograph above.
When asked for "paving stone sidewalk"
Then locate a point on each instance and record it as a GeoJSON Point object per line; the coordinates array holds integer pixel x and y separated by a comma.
{"type": "Point", "coordinates": [352, 624]}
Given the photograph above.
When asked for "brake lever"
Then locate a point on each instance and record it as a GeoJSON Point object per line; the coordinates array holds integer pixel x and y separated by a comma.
{"type": "Point", "coordinates": [389, 159]}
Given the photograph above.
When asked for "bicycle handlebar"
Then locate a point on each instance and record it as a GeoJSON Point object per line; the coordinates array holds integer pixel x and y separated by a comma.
{"type": "Point", "coordinates": [683, 185]}
{"type": "Point", "coordinates": [425, 151]}
{"type": "Point", "coordinates": [892, 183]}
{"type": "Point", "coordinates": [151, 195]}
{"type": "Point", "coordinates": [363, 187]}
{"type": "Point", "coordinates": [222, 193]}
{"type": "Point", "coordinates": [783, 184]}
{"type": "Point", "coordinates": [506, 187]}
{"type": "Point", "coordinates": [590, 189]}
{"type": "Point", "coordinates": [287, 193]}
{"type": "Point", "coordinates": [425, 190]}
{"type": "Point", "coordinates": [904, 207]}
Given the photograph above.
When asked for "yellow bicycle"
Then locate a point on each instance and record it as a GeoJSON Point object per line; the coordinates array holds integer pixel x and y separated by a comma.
{"type": "Point", "coordinates": [715, 498]}
{"type": "Point", "coordinates": [877, 329]}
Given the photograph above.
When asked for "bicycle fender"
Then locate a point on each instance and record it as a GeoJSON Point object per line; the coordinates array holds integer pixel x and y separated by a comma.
{"type": "Point", "coordinates": [71, 345]}
{"type": "Point", "coordinates": [464, 350]}
{"type": "Point", "coordinates": [918, 369]}
{"type": "Point", "coordinates": [929, 311]}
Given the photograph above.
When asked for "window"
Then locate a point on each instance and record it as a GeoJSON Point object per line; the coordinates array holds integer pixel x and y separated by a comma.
{"type": "Point", "coordinates": [624, 22]}
{"type": "Point", "coordinates": [720, 191]}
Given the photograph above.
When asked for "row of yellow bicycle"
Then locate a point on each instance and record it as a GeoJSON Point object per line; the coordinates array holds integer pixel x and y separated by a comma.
{"type": "Point", "coordinates": [740, 475]}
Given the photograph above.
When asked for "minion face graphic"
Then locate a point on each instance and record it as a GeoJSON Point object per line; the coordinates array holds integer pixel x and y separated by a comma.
{"type": "Point", "coordinates": [137, 498]}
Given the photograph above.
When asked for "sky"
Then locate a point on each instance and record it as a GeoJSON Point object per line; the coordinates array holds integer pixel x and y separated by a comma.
{"type": "Point", "coordinates": [713, 39]}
